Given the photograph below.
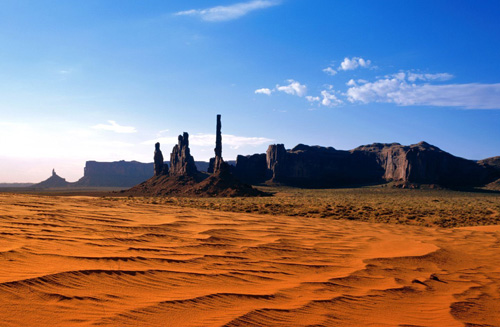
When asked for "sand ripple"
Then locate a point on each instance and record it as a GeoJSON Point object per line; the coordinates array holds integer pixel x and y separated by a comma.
{"type": "Point", "coordinates": [78, 261]}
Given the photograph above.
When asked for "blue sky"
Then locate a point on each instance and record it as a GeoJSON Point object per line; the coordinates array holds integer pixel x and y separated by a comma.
{"type": "Point", "coordinates": [104, 80]}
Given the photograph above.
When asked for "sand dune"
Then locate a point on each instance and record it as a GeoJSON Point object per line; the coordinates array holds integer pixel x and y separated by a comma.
{"type": "Point", "coordinates": [83, 261]}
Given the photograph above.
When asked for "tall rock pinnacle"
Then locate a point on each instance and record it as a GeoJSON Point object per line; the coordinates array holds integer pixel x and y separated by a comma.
{"type": "Point", "coordinates": [160, 167]}
{"type": "Point", "coordinates": [218, 138]}
{"type": "Point", "coordinates": [218, 163]}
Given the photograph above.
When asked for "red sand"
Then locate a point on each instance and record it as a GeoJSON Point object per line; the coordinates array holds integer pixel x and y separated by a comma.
{"type": "Point", "coordinates": [81, 261]}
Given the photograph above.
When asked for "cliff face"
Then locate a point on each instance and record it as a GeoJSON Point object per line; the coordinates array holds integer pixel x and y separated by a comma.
{"type": "Point", "coordinates": [252, 169]}
{"type": "Point", "coordinates": [115, 174]}
{"type": "Point", "coordinates": [314, 166]}
{"type": "Point", "coordinates": [425, 164]}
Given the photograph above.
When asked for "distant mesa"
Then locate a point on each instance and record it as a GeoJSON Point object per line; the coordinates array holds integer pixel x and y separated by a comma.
{"type": "Point", "coordinates": [114, 174]}
{"type": "Point", "coordinates": [183, 178]}
{"type": "Point", "coordinates": [53, 181]}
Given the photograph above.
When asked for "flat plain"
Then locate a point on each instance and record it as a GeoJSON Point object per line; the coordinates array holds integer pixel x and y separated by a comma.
{"type": "Point", "coordinates": [347, 257]}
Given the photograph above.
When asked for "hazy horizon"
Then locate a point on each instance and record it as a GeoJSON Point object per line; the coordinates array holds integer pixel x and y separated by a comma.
{"type": "Point", "coordinates": [104, 81]}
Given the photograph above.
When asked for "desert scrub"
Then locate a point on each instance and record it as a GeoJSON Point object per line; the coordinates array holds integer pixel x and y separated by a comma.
{"type": "Point", "coordinates": [442, 208]}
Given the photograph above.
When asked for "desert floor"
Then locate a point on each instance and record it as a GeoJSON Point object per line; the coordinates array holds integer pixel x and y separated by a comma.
{"type": "Point", "coordinates": [100, 261]}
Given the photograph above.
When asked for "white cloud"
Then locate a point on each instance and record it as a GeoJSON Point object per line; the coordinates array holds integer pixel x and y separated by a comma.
{"type": "Point", "coordinates": [353, 63]}
{"type": "Point", "coordinates": [329, 99]}
{"type": "Point", "coordinates": [224, 13]}
{"type": "Point", "coordinates": [312, 99]}
{"type": "Point", "coordinates": [114, 127]}
{"type": "Point", "coordinates": [351, 83]}
{"type": "Point", "coordinates": [264, 90]}
{"type": "Point", "coordinates": [398, 90]}
{"type": "Point", "coordinates": [294, 88]}
{"type": "Point", "coordinates": [412, 77]}
{"type": "Point", "coordinates": [330, 71]}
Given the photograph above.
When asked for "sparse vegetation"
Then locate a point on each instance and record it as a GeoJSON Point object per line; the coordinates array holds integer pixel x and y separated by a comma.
{"type": "Point", "coordinates": [422, 207]}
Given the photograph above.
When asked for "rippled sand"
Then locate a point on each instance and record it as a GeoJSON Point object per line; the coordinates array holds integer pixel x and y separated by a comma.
{"type": "Point", "coordinates": [82, 261]}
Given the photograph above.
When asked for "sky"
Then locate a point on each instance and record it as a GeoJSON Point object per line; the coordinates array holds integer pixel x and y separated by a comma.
{"type": "Point", "coordinates": [106, 79]}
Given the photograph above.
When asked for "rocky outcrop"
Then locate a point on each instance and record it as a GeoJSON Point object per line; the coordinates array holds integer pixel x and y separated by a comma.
{"type": "Point", "coordinates": [314, 166]}
{"type": "Point", "coordinates": [181, 161]}
{"type": "Point", "coordinates": [54, 181]}
{"type": "Point", "coordinates": [185, 180]}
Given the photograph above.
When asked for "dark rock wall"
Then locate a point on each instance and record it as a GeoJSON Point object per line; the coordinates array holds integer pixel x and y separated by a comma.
{"type": "Point", "coordinates": [314, 166]}
{"type": "Point", "coordinates": [252, 169]}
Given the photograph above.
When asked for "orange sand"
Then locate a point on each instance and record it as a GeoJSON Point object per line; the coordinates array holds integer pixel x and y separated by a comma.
{"type": "Point", "coordinates": [81, 261]}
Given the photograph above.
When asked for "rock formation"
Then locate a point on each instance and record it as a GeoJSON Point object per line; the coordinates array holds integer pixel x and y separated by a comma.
{"type": "Point", "coordinates": [53, 181]}
{"type": "Point", "coordinates": [314, 166]}
{"type": "Point", "coordinates": [160, 167]}
{"type": "Point", "coordinates": [222, 182]}
{"type": "Point", "coordinates": [252, 169]}
{"type": "Point", "coordinates": [181, 161]}
{"type": "Point", "coordinates": [185, 180]}
{"type": "Point", "coordinates": [423, 163]}
{"type": "Point", "coordinates": [218, 161]}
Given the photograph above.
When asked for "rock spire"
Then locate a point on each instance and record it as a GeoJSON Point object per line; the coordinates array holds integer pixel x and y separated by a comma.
{"type": "Point", "coordinates": [218, 162]}
{"type": "Point", "coordinates": [181, 161]}
{"type": "Point", "coordinates": [160, 167]}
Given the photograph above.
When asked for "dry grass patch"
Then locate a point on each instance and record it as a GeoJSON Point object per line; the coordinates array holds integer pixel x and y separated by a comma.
{"type": "Point", "coordinates": [422, 207]}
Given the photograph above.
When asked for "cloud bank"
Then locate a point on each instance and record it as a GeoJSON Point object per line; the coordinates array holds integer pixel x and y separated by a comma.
{"type": "Point", "coordinates": [225, 13]}
{"type": "Point", "coordinates": [400, 90]}
{"type": "Point", "coordinates": [406, 88]}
